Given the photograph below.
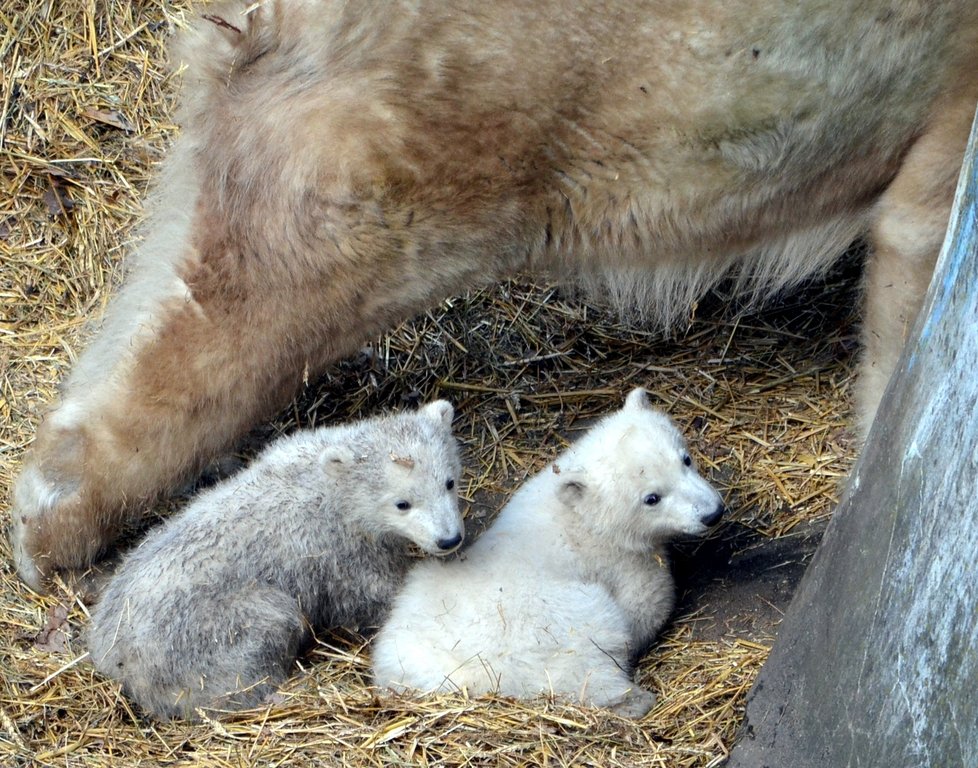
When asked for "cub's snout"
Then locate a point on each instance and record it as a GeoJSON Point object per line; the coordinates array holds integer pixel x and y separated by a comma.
{"type": "Point", "coordinates": [715, 516]}
{"type": "Point", "coordinates": [448, 545]}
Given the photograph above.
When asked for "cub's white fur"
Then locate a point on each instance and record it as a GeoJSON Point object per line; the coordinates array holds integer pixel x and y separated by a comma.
{"type": "Point", "coordinates": [212, 608]}
{"type": "Point", "coordinates": [569, 584]}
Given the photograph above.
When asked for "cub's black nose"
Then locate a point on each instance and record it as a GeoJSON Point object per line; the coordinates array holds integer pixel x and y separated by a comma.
{"type": "Point", "coordinates": [447, 545]}
{"type": "Point", "coordinates": [714, 517]}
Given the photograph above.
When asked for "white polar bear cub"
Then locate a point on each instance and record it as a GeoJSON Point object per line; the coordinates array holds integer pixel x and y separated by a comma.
{"type": "Point", "coordinates": [569, 584]}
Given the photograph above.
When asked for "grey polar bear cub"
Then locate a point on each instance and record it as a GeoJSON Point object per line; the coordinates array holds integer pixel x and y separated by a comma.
{"type": "Point", "coordinates": [213, 607]}
{"type": "Point", "coordinates": [570, 582]}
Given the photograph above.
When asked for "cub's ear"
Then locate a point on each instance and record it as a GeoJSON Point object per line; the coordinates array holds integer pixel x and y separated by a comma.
{"type": "Point", "coordinates": [440, 410]}
{"type": "Point", "coordinates": [572, 489]}
{"type": "Point", "coordinates": [335, 459]}
{"type": "Point", "coordinates": [638, 399]}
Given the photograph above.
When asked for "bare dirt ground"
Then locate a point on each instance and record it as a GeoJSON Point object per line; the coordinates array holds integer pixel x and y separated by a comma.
{"type": "Point", "coordinates": [738, 584]}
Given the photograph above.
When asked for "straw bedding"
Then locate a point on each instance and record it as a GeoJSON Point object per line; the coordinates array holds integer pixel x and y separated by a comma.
{"type": "Point", "coordinates": [763, 396]}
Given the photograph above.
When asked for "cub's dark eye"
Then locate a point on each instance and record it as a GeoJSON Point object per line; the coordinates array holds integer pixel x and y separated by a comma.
{"type": "Point", "coordinates": [686, 460]}
{"type": "Point", "coordinates": [404, 506]}
{"type": "Point", "coordinates": [652, 499]}
{"type": "Point", "coordinates": [449, 484]}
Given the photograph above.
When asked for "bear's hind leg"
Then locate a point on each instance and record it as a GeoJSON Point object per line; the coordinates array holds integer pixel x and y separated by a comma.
{"type": "Point", "coordinates": [231, 652]}
{"type": "Point", "coordinates": [906, 237]}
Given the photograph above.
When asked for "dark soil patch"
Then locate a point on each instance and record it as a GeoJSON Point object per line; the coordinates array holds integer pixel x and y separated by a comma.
{"type": "Point", "coordinates": [738, 583]}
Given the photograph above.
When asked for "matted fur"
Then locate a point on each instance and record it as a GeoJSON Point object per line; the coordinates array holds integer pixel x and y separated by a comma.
{"type": "Point", "coordinates": [343, 166]}
{"type": "Point", "coordinates": [213, 607]}
{"type": "Point", "coordinates": [570, 583]}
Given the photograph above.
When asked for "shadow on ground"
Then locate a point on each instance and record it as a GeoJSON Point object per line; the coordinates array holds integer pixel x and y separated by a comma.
{"type": "Point", "coordinates": [738, 583]}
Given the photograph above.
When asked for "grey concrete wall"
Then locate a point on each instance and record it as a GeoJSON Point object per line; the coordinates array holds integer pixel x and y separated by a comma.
{"type": "Point", "coordinates": [876, 663]}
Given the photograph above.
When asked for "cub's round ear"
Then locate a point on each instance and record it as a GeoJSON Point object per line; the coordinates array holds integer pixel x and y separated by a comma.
{"type": "Point", "coordinates": [335, 458]}
{"type": "Point", "coordinates": [571, 490]}
{"type": "Point", "coordinates": [638, 398]}
{"type": "Point", "coordinates": [440, 410]}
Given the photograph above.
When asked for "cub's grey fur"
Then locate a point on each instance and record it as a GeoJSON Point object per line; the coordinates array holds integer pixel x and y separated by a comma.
{"type": "Point", "coordinates": [212, 609]}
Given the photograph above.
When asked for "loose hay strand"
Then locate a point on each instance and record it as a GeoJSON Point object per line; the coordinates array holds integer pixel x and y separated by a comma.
{"type": "Point", "coordinates": [85, 116]}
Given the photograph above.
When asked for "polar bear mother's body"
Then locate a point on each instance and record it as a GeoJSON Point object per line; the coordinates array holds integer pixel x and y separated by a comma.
{"type": "Point", "coordinates": [343, 166]}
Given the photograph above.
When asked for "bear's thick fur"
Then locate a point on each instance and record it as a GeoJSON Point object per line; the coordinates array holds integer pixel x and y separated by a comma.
{"type": "Point", "coordinates": [568, 585]}
{"type": "Point", "coordinates": [212, 608]}
{"type": "Point", "coordinates": [343, 166]}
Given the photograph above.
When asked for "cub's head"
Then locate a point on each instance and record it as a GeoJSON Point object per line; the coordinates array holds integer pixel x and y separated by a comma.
{"type": "Point", "coordinates": [402, 472]}
{"type": "Point", "coordinates": [631, 479]}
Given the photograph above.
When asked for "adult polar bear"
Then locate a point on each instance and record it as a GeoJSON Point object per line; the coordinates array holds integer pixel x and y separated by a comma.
{"type": "Point", "coordinates": [345, 165]}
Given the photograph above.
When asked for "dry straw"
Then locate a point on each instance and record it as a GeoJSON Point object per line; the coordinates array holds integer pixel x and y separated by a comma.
{"type": "Point", "coordinates": [85, 107]}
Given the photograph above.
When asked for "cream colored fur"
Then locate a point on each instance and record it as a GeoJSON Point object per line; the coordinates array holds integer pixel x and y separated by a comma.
{"type": "Point", "coordinates": [344, 165]}
{"type": "Point", "coordinates": [569, 584]}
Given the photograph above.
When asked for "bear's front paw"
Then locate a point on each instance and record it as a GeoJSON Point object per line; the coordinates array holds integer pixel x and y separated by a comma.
{"type": "Point", "coordinates": [45, 530]}
{"type": "Point", "coordinates": [25, 561]}
{"type": "Point", "coordinates": [634, 704]}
